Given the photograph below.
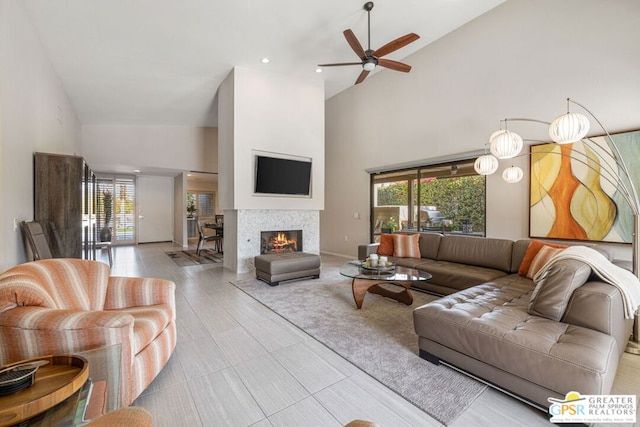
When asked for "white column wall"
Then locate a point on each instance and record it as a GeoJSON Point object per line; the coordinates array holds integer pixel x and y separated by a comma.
{"type": "Point", "coordinates": [267, 112]}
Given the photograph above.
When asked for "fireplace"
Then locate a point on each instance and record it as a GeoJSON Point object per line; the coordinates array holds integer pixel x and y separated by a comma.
{"type": "Point", "coordinates": [275, 242]}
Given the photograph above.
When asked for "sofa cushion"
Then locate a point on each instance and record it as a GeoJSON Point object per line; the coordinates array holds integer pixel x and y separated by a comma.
{"type": "Point", "coordinates": [386, 245]}
{"type": "Point", "coordinates": [429, 244]}
{"type": "Point", "coordinates": [406, 245]}
{"type": "Point", "coordinates": [532, 250]}
{"type": "Point", "coordinates": [552, 293]}
{"type": "Point", "coordinates": [39, 283]}
{"type": "Point", "coordinates": [598, 306]}
{"type": "Point", "coordinates": [517, 254]}
{"type": "Point", "coordinates": [408, 262]}
{"type": "Point", "coordinates": [457, 276]}
{"type": "Point", "coordinates": [543, 256]}
{"type": "Point", "coordinates": [480, 251]}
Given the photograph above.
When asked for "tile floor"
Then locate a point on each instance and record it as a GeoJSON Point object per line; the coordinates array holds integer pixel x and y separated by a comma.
{"type": "Point", "coordinates": [237, 364]}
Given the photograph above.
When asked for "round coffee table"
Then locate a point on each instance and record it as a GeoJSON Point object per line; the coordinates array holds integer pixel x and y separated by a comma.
{"type": "Point", "coordinates": [367, 280]}
{"type": "Point", "coordinates": [54, 383]}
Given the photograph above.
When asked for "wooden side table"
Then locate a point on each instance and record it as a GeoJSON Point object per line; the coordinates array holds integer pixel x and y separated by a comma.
{"type": "Point", "coordinates": [54, 383]}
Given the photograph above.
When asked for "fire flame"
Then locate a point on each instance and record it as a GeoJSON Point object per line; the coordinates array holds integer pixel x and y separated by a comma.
{"type": "Point", "coordinates": [280, 242]}
{"type": "Point", "coordinates": [281, 239]}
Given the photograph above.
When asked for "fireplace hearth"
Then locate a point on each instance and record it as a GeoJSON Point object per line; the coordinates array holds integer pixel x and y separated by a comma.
{"type": "Point", "coordinates": [280, 241]}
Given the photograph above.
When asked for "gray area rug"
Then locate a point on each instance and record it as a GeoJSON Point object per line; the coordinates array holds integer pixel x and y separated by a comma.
{"type": "Point", "coordinates": [189, 257]}
{"type": "Point", "coordinates": [379, 338]}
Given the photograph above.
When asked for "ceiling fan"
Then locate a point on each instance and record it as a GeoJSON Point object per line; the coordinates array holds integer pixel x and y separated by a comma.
{"type": "Point", "coordinates": [369, 59]}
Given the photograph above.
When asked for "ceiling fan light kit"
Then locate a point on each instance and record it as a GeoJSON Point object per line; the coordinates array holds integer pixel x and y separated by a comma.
{"type": "Point", "coordinates": [370, 59]}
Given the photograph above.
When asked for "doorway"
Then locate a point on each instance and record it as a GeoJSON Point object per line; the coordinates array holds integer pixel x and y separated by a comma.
{"type": "Point", "coordinates": [155, 209]}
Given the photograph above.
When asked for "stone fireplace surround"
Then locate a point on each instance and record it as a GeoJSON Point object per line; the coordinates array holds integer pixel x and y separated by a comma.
{"type": "Point", "coordinates": [252, 222]}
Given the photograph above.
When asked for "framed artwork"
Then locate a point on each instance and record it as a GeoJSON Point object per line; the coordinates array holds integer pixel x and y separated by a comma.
{"type": "Point", "coordinates": [575, 191]}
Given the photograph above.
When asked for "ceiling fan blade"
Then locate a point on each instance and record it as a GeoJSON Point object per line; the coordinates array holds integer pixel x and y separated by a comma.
{"type": "Point", "coordinates": [354, 43]}
{"type": "Point", "coordinates": [396, 44]}
{"type": "Point", "coordinates": [339, 64]}
{"type": "Point", "coordinates": [363, 75]}
{"type": "Point", "coordinates": [394, 65]}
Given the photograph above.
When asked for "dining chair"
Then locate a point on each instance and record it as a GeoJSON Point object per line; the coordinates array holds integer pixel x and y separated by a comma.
{"type": "Point", "coordinates": [36, 241]}
{"type": "Point", "coordinates": [204, 238]}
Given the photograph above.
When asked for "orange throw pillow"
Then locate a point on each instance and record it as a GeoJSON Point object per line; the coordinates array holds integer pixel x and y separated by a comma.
{"type": "Point", "coordinates": [544, 255]}
{"type": "Point", "coordinates": [532, 250]}
{"type": "Point", "coordinates": [386, 245]}
{"type": "Point", "coordinates": [406, 245]}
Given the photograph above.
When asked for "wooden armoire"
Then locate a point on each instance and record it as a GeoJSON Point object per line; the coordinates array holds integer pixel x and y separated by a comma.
{"type": "Point", "coordinates": [64, 191]}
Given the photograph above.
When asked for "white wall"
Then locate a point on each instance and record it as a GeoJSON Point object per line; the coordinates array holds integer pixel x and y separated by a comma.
{"type": "Point", "coordinates": [521, 59]}
{"type": "Point", "coordinates": [180, 210]}
{"type": "Point", "coordinates": [210, 160]}
{"type": "Point", "coordinates": [35, 115]}
{"type": "Point", "coordinates": [226, 129]}
{"type": "Point", "coordinates": [169, 147]}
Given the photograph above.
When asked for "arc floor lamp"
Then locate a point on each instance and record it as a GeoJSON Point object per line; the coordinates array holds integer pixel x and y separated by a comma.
{"type": "Point", "coordinates": [605, 161]}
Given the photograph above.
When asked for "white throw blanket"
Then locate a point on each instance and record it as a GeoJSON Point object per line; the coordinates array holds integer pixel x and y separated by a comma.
{"type": "Point", "coordinates": [608, 272]}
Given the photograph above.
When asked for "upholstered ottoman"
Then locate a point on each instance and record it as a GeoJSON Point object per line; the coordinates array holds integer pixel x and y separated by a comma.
{"type": "Point", "coordinates": [275, 268]}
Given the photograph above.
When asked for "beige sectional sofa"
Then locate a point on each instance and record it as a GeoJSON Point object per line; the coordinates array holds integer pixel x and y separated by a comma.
{"type": "Point", "coordinates": [492, 323]}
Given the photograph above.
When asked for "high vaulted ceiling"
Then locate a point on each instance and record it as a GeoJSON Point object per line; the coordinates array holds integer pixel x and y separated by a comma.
{"type": "Point", "coordinates": [160, 62]}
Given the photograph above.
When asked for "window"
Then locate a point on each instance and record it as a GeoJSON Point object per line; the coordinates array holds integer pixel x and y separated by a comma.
{"type": "Point", "coordinates": [203, 202]}
{"type": "Point", "coordinates": [447, 198]}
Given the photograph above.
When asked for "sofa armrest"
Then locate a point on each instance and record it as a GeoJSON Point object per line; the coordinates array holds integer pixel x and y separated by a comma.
{"type": "Point", "coordinates": [597, 305]}
{"type": "Point", "coordinates": [36, 331]}
{"type": "Point", "coordinates": [125, 292]}
{"type": "Point", "coordinates": [365, 250]}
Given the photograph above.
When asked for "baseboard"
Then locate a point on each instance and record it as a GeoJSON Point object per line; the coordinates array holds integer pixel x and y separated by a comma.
{"type": "Point", "coordinates": [338, 255]}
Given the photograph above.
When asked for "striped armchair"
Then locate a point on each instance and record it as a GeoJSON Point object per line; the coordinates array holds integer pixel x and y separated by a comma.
{"type": "Point", "coordinates": [59, 306]}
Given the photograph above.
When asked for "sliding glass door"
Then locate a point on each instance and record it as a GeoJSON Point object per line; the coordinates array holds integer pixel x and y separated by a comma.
{"type": "Point", "coordinates": [445, 198]}
{"type": "Point", "coordinates": [116, 207]}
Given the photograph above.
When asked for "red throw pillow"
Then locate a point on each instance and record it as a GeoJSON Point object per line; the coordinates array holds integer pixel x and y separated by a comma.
{"type": "Point", "coordinates": [386, 245]}
{"type": "Point", "coordinates": [532, 250]}
{"type": "Point", "coordinates": [406, 245]}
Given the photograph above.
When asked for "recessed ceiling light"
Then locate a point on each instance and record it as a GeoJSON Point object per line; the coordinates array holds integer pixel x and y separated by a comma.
{"type": "Point", "coordinates": [318, 70]}
{"type": "Point", "coordinates": [136, 171]}
{"type": "Point", "coordinates": [188, 174]}
{"type": "Point", "coordinates": [265, 60]}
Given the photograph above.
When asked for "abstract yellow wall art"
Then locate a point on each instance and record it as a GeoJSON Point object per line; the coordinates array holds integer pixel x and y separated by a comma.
{"type": "Point", "coordinates": [574, 189]}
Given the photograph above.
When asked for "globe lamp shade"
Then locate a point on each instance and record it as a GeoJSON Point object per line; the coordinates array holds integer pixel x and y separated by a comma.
{"type": "Point", "coordinates": [495, 134]}
{"type": "Point", "coordinates": [506, 145]}
{"type": "Point", "coordinates": [486, 164]}
{"type": "Point", "coordinates": [512, 174]}
{"type": "Point", "coordinates": [568, 128]}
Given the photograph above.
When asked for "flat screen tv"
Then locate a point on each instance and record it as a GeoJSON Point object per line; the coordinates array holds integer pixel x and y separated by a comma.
{"type": "Point", "coordinates": [276, 175]}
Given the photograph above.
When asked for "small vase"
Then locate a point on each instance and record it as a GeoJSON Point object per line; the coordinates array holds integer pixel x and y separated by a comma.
{"type": "Point", "coordinates": [105, 234]}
